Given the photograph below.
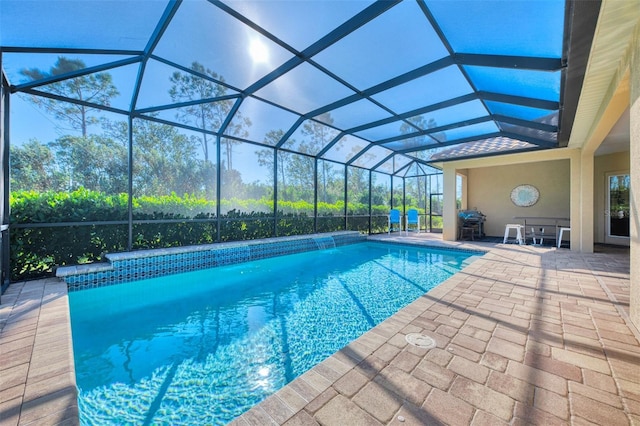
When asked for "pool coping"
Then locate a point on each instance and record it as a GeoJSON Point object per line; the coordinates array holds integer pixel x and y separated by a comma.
{"type": "Point", "coordinates": [37, 357]}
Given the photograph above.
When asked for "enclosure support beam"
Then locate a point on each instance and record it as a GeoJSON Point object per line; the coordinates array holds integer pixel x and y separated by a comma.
{"type": "Point", "coordinates": [391, 205]}
{"type": "Point", "coordinates": [130, 186]}
{"type": "Point", "coordinates": [404, 196]}
{"type": "Point", "coordinates": [346, 198]}
{"type": "Point", "coordinates": [315, 195]}
{"type": "Point", "coordinates": [4, 182]}
{"type": "Point", "coordinates": [218, 179]}
{"type": "Point", "coordinates": [275, 192]}
{"type": "Point", "coordinates": [370, 200]}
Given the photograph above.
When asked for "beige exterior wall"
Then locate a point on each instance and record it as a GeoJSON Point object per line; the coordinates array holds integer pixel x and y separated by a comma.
{"type": "Point", "coordinates": [612, 163]}
{"type": "Point", "coordinates": [489, 190]}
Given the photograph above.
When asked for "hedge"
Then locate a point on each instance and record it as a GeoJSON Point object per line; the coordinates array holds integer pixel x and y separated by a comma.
{"type": "Point", "coordinates": [35, 251]}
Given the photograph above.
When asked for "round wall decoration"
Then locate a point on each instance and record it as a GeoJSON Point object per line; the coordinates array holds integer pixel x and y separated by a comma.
{"type": "Point", "coordinates": [525, 195]}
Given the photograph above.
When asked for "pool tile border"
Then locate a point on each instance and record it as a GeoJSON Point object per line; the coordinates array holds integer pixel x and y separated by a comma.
{"type": "Point", "coordinates": [143, 264]}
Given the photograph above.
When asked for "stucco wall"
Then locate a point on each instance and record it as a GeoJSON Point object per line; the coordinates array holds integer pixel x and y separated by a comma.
{"type": "Point", "coordinates": [618, 162]}
{"type": "Point", "coordinates": [489, 190]}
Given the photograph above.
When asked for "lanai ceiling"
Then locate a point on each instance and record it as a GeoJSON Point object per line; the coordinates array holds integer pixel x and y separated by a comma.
{"type": "Point", "coordinates": [389, 85]}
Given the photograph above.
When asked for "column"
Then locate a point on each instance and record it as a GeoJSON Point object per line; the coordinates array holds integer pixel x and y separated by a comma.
{"type": "Point", "coordinates": [586, 203]}
{"type": "Point", "coordinates": [575, 206]}
{"type": "Point", "coordinates": [449, 214]}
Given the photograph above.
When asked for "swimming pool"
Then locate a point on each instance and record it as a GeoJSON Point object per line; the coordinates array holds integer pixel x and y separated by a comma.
{"type": "Point", "coordinates": [203, 347]}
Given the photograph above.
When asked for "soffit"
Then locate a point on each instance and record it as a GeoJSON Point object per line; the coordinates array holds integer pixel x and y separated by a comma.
{"type": "Point", "coordinates": [607, 66]}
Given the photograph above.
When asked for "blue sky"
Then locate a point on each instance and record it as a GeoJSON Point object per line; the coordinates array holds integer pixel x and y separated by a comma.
{"type": "Point", "coordinates": [395, 42]}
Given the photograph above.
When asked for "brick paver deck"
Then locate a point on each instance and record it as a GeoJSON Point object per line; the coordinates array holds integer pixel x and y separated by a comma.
{"type": "Point", "coordinates": [525, 335]}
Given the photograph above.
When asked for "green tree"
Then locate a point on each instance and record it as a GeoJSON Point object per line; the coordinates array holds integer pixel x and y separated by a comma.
{"type": "Point", "coordinates": [380, 189]}
{"type": "Point", "coordinates": [94, 162]}
{"type": "Point", "coordinates": [33, 167]}
{"type": "Point", "coordinates": [94, 88]}
{"type": "Point", "coordinates": [187, 87]}
{"type": "Point", "coordinates": [358, 185]}
{"type": "Point", "coordinates": [317, 136]}
{"type": "Point", "coordinates": [415, 192]}
{"type": "Point", "coordinates": [165, 160]}
{"type": "Point", "coordinates": [301, 175]}
{"type": "Point", "coordinates": [210, 116]}
{"type": "Point", "coordinates": [233, 186]}
{"type": "Point", "coordinates": [331, 181]}
{"type": "Point", "coordinates": [265, 158]}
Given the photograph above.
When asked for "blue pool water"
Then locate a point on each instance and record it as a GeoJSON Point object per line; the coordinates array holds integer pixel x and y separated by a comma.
{"type": "Point", "coordinates": [203, 347]}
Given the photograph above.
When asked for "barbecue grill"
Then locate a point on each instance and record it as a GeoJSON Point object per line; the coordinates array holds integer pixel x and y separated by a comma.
{"type": "Point", "coordinates": [472, 220]}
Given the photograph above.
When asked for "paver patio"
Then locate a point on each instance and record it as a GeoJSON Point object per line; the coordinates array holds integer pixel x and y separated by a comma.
{"type": "Point", "coordinates": [525, 335]}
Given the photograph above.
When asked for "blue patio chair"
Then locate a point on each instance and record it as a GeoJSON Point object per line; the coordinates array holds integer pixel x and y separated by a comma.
{"type": "Point", "coordinates": [412, 221]}
{"type": "Point", "coordinates": [394, 220]}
